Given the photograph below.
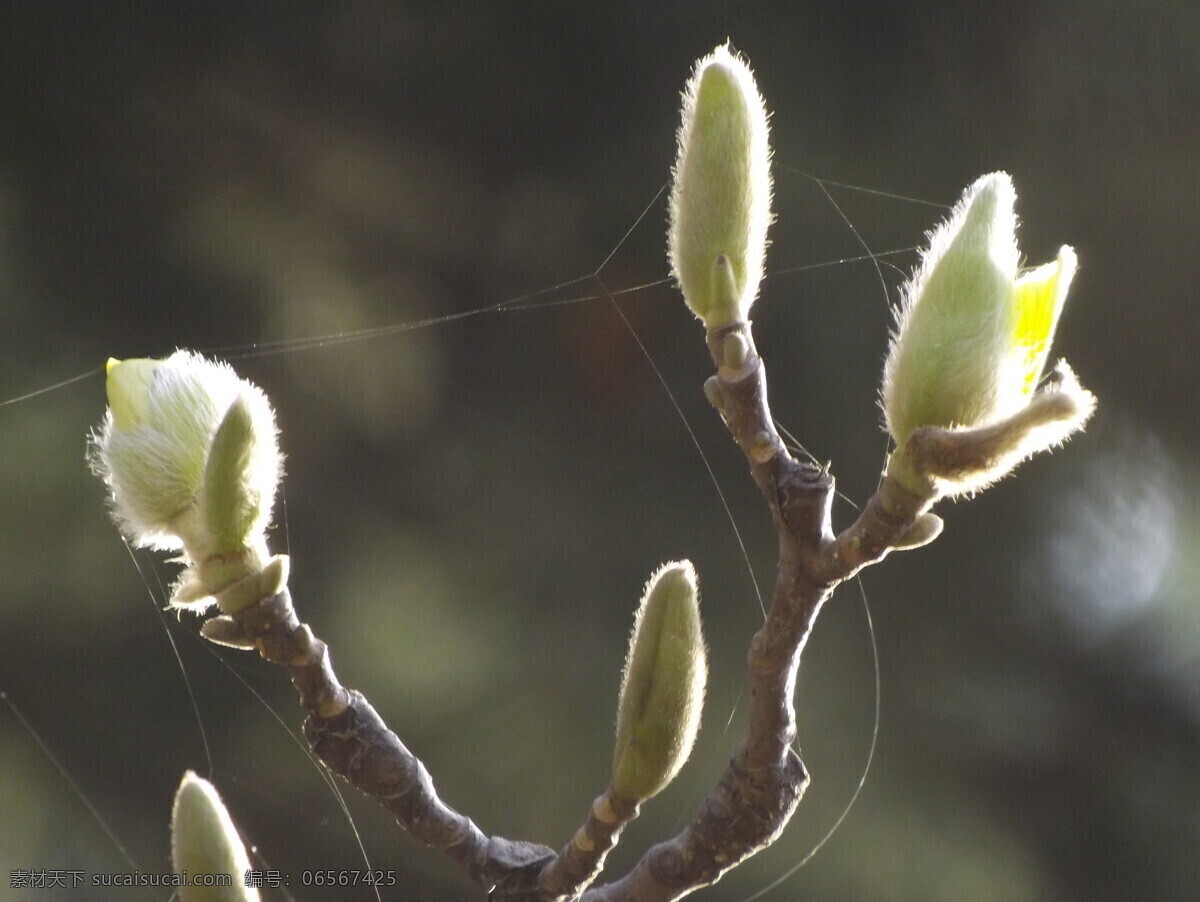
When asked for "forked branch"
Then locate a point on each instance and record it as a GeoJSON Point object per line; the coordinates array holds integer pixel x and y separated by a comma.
{"type": "Point", "coordinates": [757, 794]}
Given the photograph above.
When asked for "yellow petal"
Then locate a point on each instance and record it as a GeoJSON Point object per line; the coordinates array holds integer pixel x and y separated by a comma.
{"type": "Point", "coordinates": [128, 387]}
{"type": "Point", "coordinates": [1038, 301]}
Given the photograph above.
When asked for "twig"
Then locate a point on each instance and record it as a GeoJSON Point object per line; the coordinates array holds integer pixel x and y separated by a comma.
{"type": "Point", "coordinates": [348, 735]}
{"type": "Point", "coordinates": [580, 862]}
{"type": "Point", "coordinates": [757, 794]}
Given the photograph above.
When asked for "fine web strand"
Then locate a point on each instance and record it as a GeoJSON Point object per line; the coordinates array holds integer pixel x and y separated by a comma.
{"type": "Point", "coordinates": [187, 682]}
{"type": "Point", "coordinates": [862, 780]}
{"type": "Point", "coordinates": [875, 258]}
{"type": "Point", "coordinates": [822, 181]}
{"type": "Point", "coordinates": [320, 767]}
{"type": "Point", "coordinates": [716, 483]}
{"type": "Point", "coordinates": [53, 387]}
{"type": "Point", "coordinates": [63, 772]}
{"type": "Point", "coordinates": [857, 237]}
{"type": "Point", "coordinates": [302, 745]}
{"type": "Point", "coordinates": [876, 263]}
{"type": "Point", "coordinates": [532, 301]}
{"type": "Point", "coordinates": [796, 447]}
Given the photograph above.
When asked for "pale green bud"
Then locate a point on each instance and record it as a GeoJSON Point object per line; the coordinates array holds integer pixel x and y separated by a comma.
{"type": "Point", "coordinates": [967, 351]}
{"type": "Point", "coordinates": [240, 476]}
{"type": "Point", "coordinates": [662, 691]}
{"type": "Point", "coordinates": [972, 336]}
{"type": "Point", "coordinates": [190, 456]}
{"type": "Point", "coordinates": [721, 199]}
{"type": "Point", "coordinates": [204, 842]}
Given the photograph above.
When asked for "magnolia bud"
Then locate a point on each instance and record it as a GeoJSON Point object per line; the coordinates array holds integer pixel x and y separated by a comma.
{"type": "Point", "coordinates": [971, 340]}
{"type": "Point", "coordinates": [205, 842]}
{"type": "Point", "coordinates": [721, 200]}
{"type": "Point", "coordinates": [189, 453]}
{"type": "Point", "coordinates": [662, 691]}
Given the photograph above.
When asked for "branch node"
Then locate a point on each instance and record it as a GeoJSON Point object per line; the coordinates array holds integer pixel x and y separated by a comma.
{"type": "Point", "coordinates": [226, 631]}
{"type": "Point", "coordinates": [714, 393]}
{"type": "Point", "coordinates": [763, 447]}
{"type": "Point", "coordinates": [735, 350]}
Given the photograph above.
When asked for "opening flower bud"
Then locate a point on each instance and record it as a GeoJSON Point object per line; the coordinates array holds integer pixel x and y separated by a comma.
{"type": "Point", "coordinates": [189, 453]}
{"type": "Point", "coordinates": [972, 338]}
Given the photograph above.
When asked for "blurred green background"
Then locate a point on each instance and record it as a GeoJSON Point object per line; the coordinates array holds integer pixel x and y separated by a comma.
{"type": "Point", "coordinates": [472, 506]}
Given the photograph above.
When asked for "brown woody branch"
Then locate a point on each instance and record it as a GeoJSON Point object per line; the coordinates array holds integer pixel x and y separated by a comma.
{"type": "Point", "coordinates": [352, 740]}
{"type": "Point", "coordinates": [760, 789]}
{"type": "Point", "coordinates": [757, 794]}
{"type": "Point", "coordinates": [581, 861]}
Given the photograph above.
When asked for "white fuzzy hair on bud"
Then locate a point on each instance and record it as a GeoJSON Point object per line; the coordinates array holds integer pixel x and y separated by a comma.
{"type": "Point", "coordinates": [662, 689]}
{"type": "Point", "coordinates": [721, 197]}
{"type": "Point", "coordinates": [971, 341]}
{"type": "Point", "coordinates": [190, 455]}
{"type": "Point", "coordinates": [204, 840]}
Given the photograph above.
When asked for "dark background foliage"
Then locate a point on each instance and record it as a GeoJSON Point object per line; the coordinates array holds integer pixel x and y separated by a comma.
{"type": "Point", "coordinates": [472, 506]}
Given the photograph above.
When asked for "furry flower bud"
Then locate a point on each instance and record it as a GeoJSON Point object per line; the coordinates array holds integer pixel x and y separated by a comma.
{"type": "Point", "coordinates": [972, 339]}
{"type": "Point", "coordinates": [721, 199]}
{"type": "Point", "coordinates": [662, 691]}
{"type": "Point", "coordinates": [189, 453]}
{"type": "Point", "coordinates": [204, 841]}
